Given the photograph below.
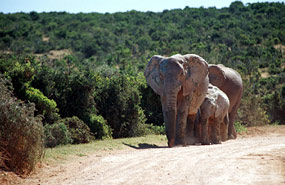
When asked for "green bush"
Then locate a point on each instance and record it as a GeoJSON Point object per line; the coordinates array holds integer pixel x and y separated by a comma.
{"type": "Point", "coordinates": [251, 111]}
{"type": "Point", "coordinates": [156, 129]}
{"type": "Point", "coordinates": [79, 131]}
{"type": "Point", "coordinates": [240, 127]}
{"type": "Point", "coordinates": [275, 104]}
{"type": "Point", "coordinates": [46, 107]}
{"type": "Point", "coordinates": [118, 101]}
{"type": "Point", "coordinates": [99, 127]}
{"type": "Point", "coordinates": [21, 133]}
{"type": "Point", "coordinates": [57, 134]}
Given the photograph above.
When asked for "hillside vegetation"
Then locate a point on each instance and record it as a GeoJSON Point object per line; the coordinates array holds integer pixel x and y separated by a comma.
{"type": "Point", "coordinates": [84, 72]}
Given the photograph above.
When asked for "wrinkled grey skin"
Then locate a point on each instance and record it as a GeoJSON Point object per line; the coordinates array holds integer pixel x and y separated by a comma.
{"type": "Point", "coordinates": [230, 82]}
{"type": "Point", "coordinates": [214, 115]}
{"type": "Point", "coordinates": [181, 82]}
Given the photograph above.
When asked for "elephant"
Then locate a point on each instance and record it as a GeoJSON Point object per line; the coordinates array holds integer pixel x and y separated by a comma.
{"type": "Point", "coordinates": [230, 82]}
{"type": "Point", "coordinates": [182, 83]}
{"type": "Point", "coordinates": [214, 117]}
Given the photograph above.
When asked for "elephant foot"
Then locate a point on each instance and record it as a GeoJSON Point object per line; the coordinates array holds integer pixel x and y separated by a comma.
{"type": "Point", "coordinates": [171, 143]}
{"type": "Point", "coordinates": [180, 141]}
{"type": "Point", "coordinates": [224, 139]}
{"type": "Point", "coordinates": [205, 142]}
{"type": "Point", "coordinates": [217, 142]}
{"type": "Point", "coordinates": [231, 136]}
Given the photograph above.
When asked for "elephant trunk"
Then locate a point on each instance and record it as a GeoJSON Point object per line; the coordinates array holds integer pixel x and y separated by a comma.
{"type": "Point", "coordinates": [170, 116]}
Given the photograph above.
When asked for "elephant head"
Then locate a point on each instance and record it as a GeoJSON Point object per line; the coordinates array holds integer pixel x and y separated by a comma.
{"type": "Point", "coordinates": [175, 79]}
{"type": "Point", "coordinates": [217, 75]}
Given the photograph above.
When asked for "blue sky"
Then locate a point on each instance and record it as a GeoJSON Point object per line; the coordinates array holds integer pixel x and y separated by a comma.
{"type": "Point", "coordinates": [111, 6]}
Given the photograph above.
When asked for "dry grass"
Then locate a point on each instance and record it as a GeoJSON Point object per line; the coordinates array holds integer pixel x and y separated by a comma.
{"type": "Point", "coordinates": [264, 72]}
{"type": "Point", "coordinates": [280, 47]}
{"type": "Point", "coordinates": [55, 54]}
{"type": "Point", "coordinates": [63, 153]}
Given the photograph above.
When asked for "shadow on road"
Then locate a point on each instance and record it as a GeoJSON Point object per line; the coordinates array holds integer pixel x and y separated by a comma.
{"type": "Point", "coordinates": [144, 146]}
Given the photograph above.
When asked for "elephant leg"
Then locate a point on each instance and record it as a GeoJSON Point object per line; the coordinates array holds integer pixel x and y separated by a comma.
{"type": "Point", "coordinates": [191, 124]}
{"type": "Point", "coordinates": [198, 126]}
{"type": "Point", "coordinates": [192, 129]}
{"type": "Point", "coordinates": [231, 130]}
{"type": "Point", "coordinates": [182, 112]}
{"type": "Point", "coordinates": [224, 128]}
{"type": "Point", "coordinates": [181, 127]}
{"type": "Point", "coordinates": [170, 129]}
{"type": "Point", "coordinates": [216, 139]}
{"type": "Point", "coordinates": [205, 135]}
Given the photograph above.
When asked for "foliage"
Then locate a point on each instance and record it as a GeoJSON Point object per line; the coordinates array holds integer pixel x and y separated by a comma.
{"type": "Point", "coordinates": [91, 65]}
{"type": "Point", "coordinates": [156, 129]}
{"type": "Point", "coordinates": [79, 131]}
{"type": "Point", "coordinates": [240, 127]}
{"type": "Point", "coordinates": [99, 127]}
{"type": "Point", "coordinates": [151, 105]}
{"type": "Point", "coordinates": [118, 101]}
{"type": "Point", "coordinates": [46, 107]}
{"type": "Point", "coordinates": [21, 133]}
{"type": "Point", "coordinates": [275, 104]}
{"type": "Point", "coordinates": [57, 134]}
{"type": "Point", "coordinates": [251, 111]}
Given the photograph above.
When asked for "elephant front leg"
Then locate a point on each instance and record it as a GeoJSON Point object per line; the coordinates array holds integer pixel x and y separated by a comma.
{"type": "Point", "coordinates": [205, 132]}
{"type": "Point", "coordinates": [216, 138]}
{"type": "Point", "coordinates": [183, 107]}
{"type": "Point", "coordinates": [169, 116]}
{"type": "Point", "coordinates": [171, 127]}
{"type": "Point", "coordinates": [191, 126]}
{"type": "Point", "coordinates": [181, 127]}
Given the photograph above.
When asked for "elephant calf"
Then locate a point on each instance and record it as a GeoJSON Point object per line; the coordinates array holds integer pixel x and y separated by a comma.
{"type": "Point", "coordinates": [214, 118]}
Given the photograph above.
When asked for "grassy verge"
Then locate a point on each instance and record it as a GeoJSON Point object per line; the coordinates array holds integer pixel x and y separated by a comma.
{"type": "Point", "coordinates": [65, 152]}
{"type": "Point", "coordinates": [240, 128]}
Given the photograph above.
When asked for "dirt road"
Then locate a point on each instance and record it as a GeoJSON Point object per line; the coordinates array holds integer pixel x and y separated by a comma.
{"type": "Point", "coordinates": [257, 158]}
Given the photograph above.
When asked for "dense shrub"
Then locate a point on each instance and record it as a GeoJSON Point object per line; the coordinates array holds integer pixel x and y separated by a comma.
{"type": "Point", "coordinates": [251, 111]}
{"type": "Point", "coordinates": [57, 134]}
{"type": "Point", "coordinates": [118, 101]}
{"type": "Point", "coordinates": [151, 104]}
{"type": "Point", "coordinates": [99, 127]}
{"type": "Point", "coordinates": [275, 104]}
{"type": "Point", "coordinates": [46, 107]}
{"type": "Point", "coordinates": [155, 129]}
{"type": "Point", "coordinates": [79, 131]}
{"type": "Point", "coordinates": [21, 133]}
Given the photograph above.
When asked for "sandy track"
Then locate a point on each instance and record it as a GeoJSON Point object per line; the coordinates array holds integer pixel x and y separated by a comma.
{"type": "Point", "coordinates": [247, 160]}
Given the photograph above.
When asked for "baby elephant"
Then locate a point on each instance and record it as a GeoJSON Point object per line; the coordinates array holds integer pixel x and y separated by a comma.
{"type": "Point", "coordinates": [214, 117]}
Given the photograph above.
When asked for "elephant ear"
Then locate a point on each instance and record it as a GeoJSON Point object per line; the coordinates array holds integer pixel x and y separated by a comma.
{"type": "Point", "coordinates": [152, 74]}
{"type": "Point", "coordinates": [196, 71]}
{"type": "Point", "coordinates": [217, 75]}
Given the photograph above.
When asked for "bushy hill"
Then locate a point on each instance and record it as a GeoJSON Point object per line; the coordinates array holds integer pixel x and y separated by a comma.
{"type": "Point", "coordinates": [90, 65]}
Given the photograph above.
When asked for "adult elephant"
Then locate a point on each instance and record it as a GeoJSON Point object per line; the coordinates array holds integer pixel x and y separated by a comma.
{"type": "Point", "coordinates": [182, 83]}
{"type": "Point", "coordinates": [230, 82]}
